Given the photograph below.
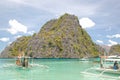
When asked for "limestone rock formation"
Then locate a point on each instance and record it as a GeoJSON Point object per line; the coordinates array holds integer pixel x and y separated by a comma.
{"type": "Point", "coordinates": [58, 38]}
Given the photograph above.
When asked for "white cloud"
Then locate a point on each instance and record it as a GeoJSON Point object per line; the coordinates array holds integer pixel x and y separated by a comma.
{"type": "Point", "coordinates": [99, 41]}
{"type": "Point", "coordinates": [4, 39]}
{"type": "Point", "coordinates": [17, 36]}
{"type": "Point", "coordinates": [114, 36]}
{"type": "Point", "coordinates": [9, 43]}
{"type": "Point", "coordinates": [58, 6]}
{"type": "Point", "coordinates": [16, 27]}
{"type": "Point", "coordinates": [86, 23]}
{"type": "Point", "coordinates": [18, 1]}
{"type": "Point", "coordinates": [31, 32]}
{"type": "Point", "coordinates": [112, 43]}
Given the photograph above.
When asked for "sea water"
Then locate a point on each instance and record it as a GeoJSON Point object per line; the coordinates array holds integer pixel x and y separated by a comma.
{"type": "Point", "coordinates": [48, 69]}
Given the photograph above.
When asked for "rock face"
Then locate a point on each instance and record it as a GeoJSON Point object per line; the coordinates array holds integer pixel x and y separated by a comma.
{"type": "Point", "coordinates": [102, 49]}
{"type": "Point", "coordinates": [115, 50]}
{"type": "Point", "coordinates": [16, 47]}
{"type": "Point", "coordinates": [58, 38]}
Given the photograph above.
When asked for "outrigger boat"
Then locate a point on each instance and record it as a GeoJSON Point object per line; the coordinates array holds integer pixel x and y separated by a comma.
{"type": "Point", "coordinates": [22, 61]}
{"type": "Point", "coordinates": [106, 67]}
{"type": "Point", "coordinates": [106, 64]}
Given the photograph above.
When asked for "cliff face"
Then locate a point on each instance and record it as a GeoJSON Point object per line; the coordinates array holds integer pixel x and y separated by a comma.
{"type": "Point", "coordinates": [16, 47]}
{"type": "Point", "coordinates": [59, 38]}
{"type": "Point", "coordinates": [115, 50]}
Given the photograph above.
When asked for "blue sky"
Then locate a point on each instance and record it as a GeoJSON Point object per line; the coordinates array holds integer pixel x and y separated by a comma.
{"type": "Point", "coordinates": [100, 18]}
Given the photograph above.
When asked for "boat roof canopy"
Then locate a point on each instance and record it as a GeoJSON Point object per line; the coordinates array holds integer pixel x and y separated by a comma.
{"type": "Point", "coordinates": [112, 60]}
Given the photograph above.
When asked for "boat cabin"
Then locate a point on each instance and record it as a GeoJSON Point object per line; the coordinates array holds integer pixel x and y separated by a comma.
{"type": "Point", "coordinates": [110, 62]}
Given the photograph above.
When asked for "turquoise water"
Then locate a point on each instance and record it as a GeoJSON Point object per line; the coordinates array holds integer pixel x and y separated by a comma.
{"type": "Point", "coordinates": [48, 69]}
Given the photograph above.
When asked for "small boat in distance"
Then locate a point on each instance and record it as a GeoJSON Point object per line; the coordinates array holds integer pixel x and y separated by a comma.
{"type": "Point", "coordinates": [84, 59]}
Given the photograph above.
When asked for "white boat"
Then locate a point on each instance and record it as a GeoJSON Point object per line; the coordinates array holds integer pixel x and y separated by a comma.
{"type": "Point", "coordinates": [107, 64]}
{"type": "Point", "coordinates": [84, 59]}
{"type": "Point", "coordinates": [106, 67]}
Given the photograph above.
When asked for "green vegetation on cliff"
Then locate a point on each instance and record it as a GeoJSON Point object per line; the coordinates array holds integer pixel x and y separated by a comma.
{"type": "Point", "coordinates": [19, 45]}
{"type": "Point", "coordinates": [115, 49]}
{"type": "Point", "coordinates": [58, 38]}
{"type": "Point", "coordinates": [16, 47]}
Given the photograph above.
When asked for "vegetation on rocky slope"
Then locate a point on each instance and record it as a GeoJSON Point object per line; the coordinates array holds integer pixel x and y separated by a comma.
{"type": "Point", "coordinates": [16, 47]}
{"type": "Point", "coordinates": [115, 49]}
{"type": "Point", "coordinates": [58, 38]}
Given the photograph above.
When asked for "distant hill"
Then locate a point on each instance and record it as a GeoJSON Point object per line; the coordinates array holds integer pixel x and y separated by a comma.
{"type": "Point", "coordinates": [106, 48]}
{"type": "Point", "coordinates": [102, 49]}
{"type": "Point", "coordinates": [115, 49]}
{"type": "Point", "coordinates": [58, 38]}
